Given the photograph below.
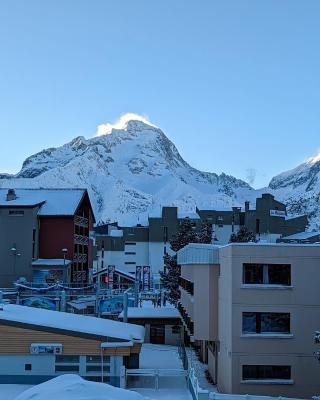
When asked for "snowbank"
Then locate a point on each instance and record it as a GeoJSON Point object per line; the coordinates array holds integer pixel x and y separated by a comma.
{"type": "Point", "coordinates": [73, 387]}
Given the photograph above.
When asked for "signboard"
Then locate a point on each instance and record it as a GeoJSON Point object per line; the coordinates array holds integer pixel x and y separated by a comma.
{"type": "Point", "coordinates": [277, 213]}
{"type": "Point", "coordinates": [45, 348]}
{"type": "Point", "coordinates": [39, 302]}
{"type": "Point", "coordinates": [47, 276]}
{"type": "Point", "coordinates": [146, 278]}
{"type": "Point", "coordinates": [111, 269]}
{"type": "Point", "coordinates": [113, 305]}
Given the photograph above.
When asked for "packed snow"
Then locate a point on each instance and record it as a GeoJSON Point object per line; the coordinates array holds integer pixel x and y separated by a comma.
{"type": "Point", "coordinates": [73, 387]}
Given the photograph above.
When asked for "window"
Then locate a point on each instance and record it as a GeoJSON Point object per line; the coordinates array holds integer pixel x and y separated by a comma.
{"type": "Point", "coordinates": [67, 363]}
{"type": "Point", "coordinates": [267, 274]}
{"type": "Point", "coordinates": [97, 368]}
{"type": "Point", "coordinates": [266, 372]}
{"type": "Point", "coordinates": [16, 213]}
{"type": "Point", "coordinates": [27, 367]}
{"type": "Point", "coordinates": [129, 262]}
{"type": "Point", "coordinates": [130, 243]}
{"type": "Point", "coordinates": [129, 253]}
{"type": "Point", "coordinates": [97, 359]}
{"type": "Point", "coordinates": [175, 330]}
{"type": "Point", "coordinates": [67, 359]}
{"type": "Point", "coordinates": [67, 368]}
{"type": "Point", "coordinates": [265, 323]}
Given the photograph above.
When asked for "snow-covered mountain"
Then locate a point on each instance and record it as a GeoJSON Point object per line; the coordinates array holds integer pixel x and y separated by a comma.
{"type": "Point", "coordinates": [299, 188]}
{"type": "Point", "coordinates": [130, 171]}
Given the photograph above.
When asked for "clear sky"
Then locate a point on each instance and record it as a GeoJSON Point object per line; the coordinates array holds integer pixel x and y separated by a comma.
{"type": "Point", "coordinates": [234, 84]}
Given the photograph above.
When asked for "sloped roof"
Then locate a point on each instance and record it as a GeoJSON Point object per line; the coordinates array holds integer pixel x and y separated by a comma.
{"type": "Point", "coordinates": [73, 323]}
{"type": "Point", "coordinates": [302, 235]}
{"type": "Point", "coordinates": [54, 201]}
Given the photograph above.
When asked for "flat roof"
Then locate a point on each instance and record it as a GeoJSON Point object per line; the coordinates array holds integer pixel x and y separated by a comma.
{"type": "Point", "coordinates": [51, 262]}
{"type": "Point", "coordinates": [72, 324]}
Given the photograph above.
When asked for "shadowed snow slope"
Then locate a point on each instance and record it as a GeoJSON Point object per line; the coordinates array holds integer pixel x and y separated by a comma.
{"type": "Point", "coordinates": [72, 387]}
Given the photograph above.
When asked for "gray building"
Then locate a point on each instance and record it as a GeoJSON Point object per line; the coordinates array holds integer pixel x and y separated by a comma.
{"type": "Point", "coordinates": [128, 247]}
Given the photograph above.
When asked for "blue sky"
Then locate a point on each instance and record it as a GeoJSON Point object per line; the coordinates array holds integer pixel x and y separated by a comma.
{"type": "Point", "coordinates": [234, 84]}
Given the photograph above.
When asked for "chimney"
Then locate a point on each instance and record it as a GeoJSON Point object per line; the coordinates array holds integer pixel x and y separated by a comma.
{"type": "Point", "coordinates": [11, 195]}
{"type": "Point", "coordinates": [246, 206]}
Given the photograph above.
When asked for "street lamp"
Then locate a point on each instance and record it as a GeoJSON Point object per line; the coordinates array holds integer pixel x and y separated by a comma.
{"type": "Point", "coordinates": [15, 254]}
{"type": "Point", "coordinates": [64, 252]}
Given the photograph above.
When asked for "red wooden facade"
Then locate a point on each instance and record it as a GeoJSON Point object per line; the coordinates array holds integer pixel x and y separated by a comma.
{"type": "Point", "coordinates": [70, 232]}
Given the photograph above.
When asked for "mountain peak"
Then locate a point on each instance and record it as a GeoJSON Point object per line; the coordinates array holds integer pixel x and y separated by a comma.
{"type": "Point", "coordinates": [127, 122]}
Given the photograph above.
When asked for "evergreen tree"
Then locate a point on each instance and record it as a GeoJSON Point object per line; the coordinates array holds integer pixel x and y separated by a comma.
{"type": "Point", "coordinates": [205, 233]}
{"type": "Point", "coordinates": [242, 236]}
{"type": "Point", "coordinates": [170, 276]}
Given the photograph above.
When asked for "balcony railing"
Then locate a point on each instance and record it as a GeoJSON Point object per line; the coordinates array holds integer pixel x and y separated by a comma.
{"type": "Point", "coordinates": [81, 221]}
{"type": "Point", "coordinates": [83, 240]}
{"type": "Point", "coordinates": [80, 258]}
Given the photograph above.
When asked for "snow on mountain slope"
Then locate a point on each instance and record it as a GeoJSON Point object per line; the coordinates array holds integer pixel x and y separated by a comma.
{"type": "Point", "coordinates": [130, 170]}
{"type": "Point", "coordinates": [299, 188]}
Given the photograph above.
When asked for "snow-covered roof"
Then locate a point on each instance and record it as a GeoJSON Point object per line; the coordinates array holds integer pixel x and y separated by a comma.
{"type": "Point", "coordinates": [198, 253]}
{"type": "Point", "coordinates": [302, 235]}
{"type": "Point", "coordinates": [51, 262]}
{"type": "Point", "coordinates": [186, 214]}
{"type": "Point", "coordinates": [100, 327]}
{"type": "Point", "coordinates": [55, 201]}
{"type": "Point", "coordinates": [154, 312]}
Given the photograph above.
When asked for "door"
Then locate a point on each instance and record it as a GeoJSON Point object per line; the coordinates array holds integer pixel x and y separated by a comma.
{"type": "Point", "coordinates": [157, 334]}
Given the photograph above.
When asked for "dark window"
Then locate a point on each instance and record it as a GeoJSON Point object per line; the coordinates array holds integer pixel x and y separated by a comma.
{"type": "Point", "coordinates": [130, 243]}
{"type": "Point", "coordinates": [97, 359]}
{"type": "Point", "coordinates": [67, 359]}
{"type": "Point", "coordinates": [256, 322]}
{"type": "Point", "coordinates": [27, 367]}
{"type": "Point", "coordinates": [175, 330]}
{"type": "Point", "coordinates": [260, 372]}
{"type": "Point", "coordinates": [129, 262]}
{"type": "Point", "coordinates": [97, 368]}
{"type": "Point", "coordinates": [67, 368]}
{"type": "Point", "coordinates": [165, 233]}
{"type": "Point", "coordinates": [267, 274]}
{"type": "Point", "coordinates": [129, 252]}
{"type": "Point", "coordinates": [16, 213]}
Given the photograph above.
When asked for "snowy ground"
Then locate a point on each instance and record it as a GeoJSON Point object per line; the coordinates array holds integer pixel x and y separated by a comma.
{"type": "Point", "coordinates": [10, 392]}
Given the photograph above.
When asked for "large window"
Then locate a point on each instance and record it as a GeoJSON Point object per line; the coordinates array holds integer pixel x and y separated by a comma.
{"type": "Point", "coordinates": [267, 274]}
{"type": "Point", "coordinates": [266, 372]}
{"type": "Point", "coordinates": [67, 363]}
{"type": "Point", "coordinates": [264, 322]}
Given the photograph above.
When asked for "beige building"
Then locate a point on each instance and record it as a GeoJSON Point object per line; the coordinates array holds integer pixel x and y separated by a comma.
{"type": "Point", "coordinates": [252, 310]}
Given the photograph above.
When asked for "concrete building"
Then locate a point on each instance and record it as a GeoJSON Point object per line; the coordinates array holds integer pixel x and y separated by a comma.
{"type": "Point", "coordinates": [37, 345]}
{"type": "Point", "coordinates": [44, 231]}
{"type": "Point", "coordinates": [252, 309]}
{"type": "Point", "coordinates": [129, 247]}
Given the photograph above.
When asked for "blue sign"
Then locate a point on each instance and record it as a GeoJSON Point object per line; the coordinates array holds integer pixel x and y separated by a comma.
{"type": "Point", "coordinates": [39, 302]}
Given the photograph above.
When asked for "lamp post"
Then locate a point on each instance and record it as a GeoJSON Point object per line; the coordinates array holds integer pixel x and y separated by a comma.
{"type": "Point", "coordinates": [64, 252]}
{"type": "Point", "coordinates": [15, 254]}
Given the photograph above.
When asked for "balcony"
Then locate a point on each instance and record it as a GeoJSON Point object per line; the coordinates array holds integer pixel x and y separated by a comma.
{"type": "Point", "coordinates": [81, 221]}
{"type": "Point", "coordinates": [83, 240]}
{"type": "Point", "coordinates": [80, 258]}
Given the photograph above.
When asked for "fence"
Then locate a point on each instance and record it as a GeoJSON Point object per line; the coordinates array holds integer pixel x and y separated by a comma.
{"type": "Point", "coordinates": [156, 379]}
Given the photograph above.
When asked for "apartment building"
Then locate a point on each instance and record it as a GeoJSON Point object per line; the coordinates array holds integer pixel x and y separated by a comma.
{"type": "Point", "coordinates": [252, 309]}
{"type": "Point", "coordinates": [129, 247]}
{"type": "Point", "coordinates": [43, 232]}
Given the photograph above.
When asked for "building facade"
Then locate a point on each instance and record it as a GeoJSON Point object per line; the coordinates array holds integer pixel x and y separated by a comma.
{"type": "Point", "coordinates": [129, 247]}
{"type": "Point", "coordinates": [251, 310]}
{"type": "Point", "coordinates": [37, 345]}
{"type": "Point", "coordinates": [38, 225]}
